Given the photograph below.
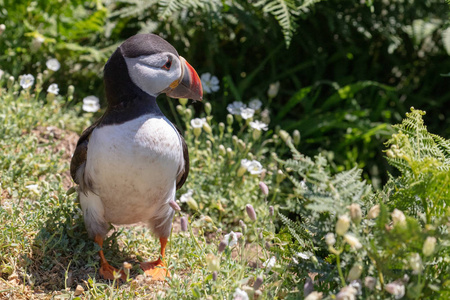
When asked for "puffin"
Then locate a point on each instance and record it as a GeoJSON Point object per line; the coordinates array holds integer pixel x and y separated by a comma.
{"type": "Point", "coordinates": [130, 162]}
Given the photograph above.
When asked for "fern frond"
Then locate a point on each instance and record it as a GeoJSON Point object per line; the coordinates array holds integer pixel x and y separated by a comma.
{"type": "Point", "coordinates": [133, 9]}
{"type": "Point", "coordinates": [285, 12]}
{"type": "Point", "coordinates": [300, 233]}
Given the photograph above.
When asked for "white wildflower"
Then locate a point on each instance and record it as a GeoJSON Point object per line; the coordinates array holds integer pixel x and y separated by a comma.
{"type": "Point", "coordinates": [33, 188]}
{"type": "Point", "coordinates": [186, 196]}
{"type": "Point", "coordinates": [270, 263]}
{"type": "Point", "coordinates": [91, 104]}
{"type": "Point", "coordinates": [247, 113]}
{"type": "Point", "coordinates": [258, 125]}
{"type": "Point", "coordinates": [330, 239]}
{"type": "Point", "coordinates": [230, 239]}
{"type": "Point", "coordinates": [352, 241]}
{"type": "Point", "coordinates": [26, 81]}
{"type": "Point", "coordinates": [304, 255]}
{"type": "Point", "coordinates": [255, 104]}
{"type": "Point", "coordinates": [198, 122]}
{"type": "Point", "coordinates": [53, 64]}
{"type": "Point", "coordinates": [210, 83]}
{"type": "Point", "coordinates": [396, 288]}
{"type": "Point", "coordinates": [255, 167]}
{"type": "Point", "coordinates": [53, 89]}
{"type": "Point", "coordinates": [2, 28]}
{"type": "Point", "coordinates": [236, 107]}
{"type": "Point", "coordinates": [245, 163]}
{"type": "Point", "coordinates": [240, 295]}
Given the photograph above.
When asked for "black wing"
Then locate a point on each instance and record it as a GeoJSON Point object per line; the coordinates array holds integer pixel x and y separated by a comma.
{"type": "Point", "coordinates": [181, 179]}
{"type": "Point", "coordinates": [80, 154]}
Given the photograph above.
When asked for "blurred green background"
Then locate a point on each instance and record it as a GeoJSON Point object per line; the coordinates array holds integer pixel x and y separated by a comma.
{"type": "Point", "coordinates": [346, 68]}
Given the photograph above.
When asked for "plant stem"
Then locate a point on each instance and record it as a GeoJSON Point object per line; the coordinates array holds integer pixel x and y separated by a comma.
{"type": "Point", "coordinates": [338, 262]}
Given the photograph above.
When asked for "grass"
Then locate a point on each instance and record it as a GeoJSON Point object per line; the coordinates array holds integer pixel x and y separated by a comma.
{"type": "Point", "coordinates": [44, 248]}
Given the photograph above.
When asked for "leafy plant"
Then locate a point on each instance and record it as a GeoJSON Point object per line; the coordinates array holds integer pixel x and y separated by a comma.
{"type": "Point", "coordinates": [400, 247]}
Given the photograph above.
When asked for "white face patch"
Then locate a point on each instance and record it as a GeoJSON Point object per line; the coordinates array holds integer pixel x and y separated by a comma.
{"type": "Point", "coordinates": [148, 74]}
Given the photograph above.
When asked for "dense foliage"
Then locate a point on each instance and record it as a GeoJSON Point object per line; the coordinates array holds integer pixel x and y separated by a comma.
{"type": "Point", "coordinates": [318, 81]}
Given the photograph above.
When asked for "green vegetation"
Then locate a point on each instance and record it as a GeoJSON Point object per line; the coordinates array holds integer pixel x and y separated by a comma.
{"type": "Point", "coordinates": [297, 120]}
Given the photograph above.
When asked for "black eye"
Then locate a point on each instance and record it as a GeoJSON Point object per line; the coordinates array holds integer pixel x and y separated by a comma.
{"type": "Point", "coordinates": [168, 64]}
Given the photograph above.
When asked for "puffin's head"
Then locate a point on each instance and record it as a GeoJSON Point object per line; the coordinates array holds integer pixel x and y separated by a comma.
{"type": "Point", "coordinates": [154, 66]}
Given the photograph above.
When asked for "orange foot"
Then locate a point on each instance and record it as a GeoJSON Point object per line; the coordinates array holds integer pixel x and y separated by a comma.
{"type": "Point", "coordinates": [157, 270]}
{"type": "Point", "coordinates": [107, 272]}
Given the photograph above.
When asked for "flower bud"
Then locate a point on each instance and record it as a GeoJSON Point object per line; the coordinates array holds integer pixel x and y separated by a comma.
{"type": "Point", "coordinates": [284, 136]}
{"type": "Point", "coordinates": [221, 128]}
{"type": "Point", "coordinates": [330, 239]}
{"type": "Point", "coordinates": [207, 128]}
{"type": "Point", "coordinates": [314, 296]}
{"type": "Point", "coordinates": [352, 241]}
{"type": "Point", "coordinates": [308, 287]}
{"type": "Point", "coordinates": [258, 282]}
{"type": "Point", "coordinates": [256, 134]}
{"type": "Point", "coordinates": [355, 213]}
{"type": "Point", "coordinates": [296, 137]}
{"type": "Point", "coordinates": [342, 225]}
{"type": "Point", "coordinates": [208, 108]}
{"type": "Point", "coordinates": [241, 171]}
{"type": "Point", "coordinates": [250, 212]}
{"type": "Point", "coordinates": [10, 82]}
{"type": "Point", "coordinates": [184, 224]}
{"type": "Point", "coordinates": [429, 245]}
{"type": "Point", "coordinates": [222, 151]}
{"type": "Point", "coordinates": [415, 262]}
{"type": "Point", "coordinates": [280, 176]}
{"type": "Point", "coordinates": [241, 145]}
{"type": "Point", "coordinates": [183, 101]}
{"type": "Point", "coordinates": [174, 205]}
{"type": "Point", "coordinates": [214, 275]}
{"type": "Point", "coordinates": [192, 203]}
{"type": "Point", "coordinates": [264, 188]}
{"type": "Point", "coordinates": [70, 90]}
{"type": "Point", "coordinates": [243, 226]}
{"type": "Point", "coordinates": [222, 246]}
{"type": "Point", "coordinates": [188, 113]}
{"type": "Point", "coordinates": [230, 119]}
{"type": "Point", "coordinates": [374, 212]}
{"type": "Point", "coordinates": [273, 89]}
{"type": "Point", "coordinates": [354, 272]}
{"type": "Point", "coordinates": [197, 131]}
{"type": "Point", "coordinates": [213, 262]}
{"type": "Point", "coordinates": [370, 282]}
{"type": "Point", "coordinates": [127, 265]}
{"type": "Point", "coordinates": [180, 109]}
{"type": "Point", "coordinates": [271, 210]}
{"type": "Point", "coordinates": [398, 217]}
{"type": "Point", "coordinates": [230, 153]}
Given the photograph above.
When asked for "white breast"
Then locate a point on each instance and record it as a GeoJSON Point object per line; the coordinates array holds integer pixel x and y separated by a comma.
{"type": "Point", "coordinates": [133, 167]}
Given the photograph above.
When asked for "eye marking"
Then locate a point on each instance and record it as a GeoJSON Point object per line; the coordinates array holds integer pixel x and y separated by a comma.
{"type": "Point", "coordinates": [168, 64]}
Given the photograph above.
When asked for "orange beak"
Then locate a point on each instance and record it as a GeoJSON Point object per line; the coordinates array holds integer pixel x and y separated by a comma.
{"type": "Point", "coordinates": [189, 85]}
